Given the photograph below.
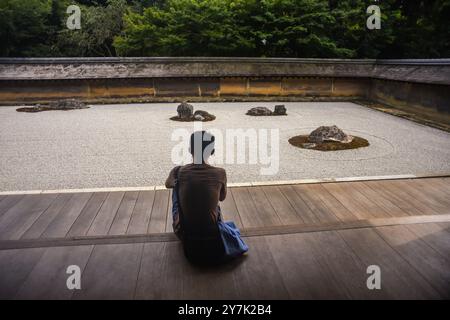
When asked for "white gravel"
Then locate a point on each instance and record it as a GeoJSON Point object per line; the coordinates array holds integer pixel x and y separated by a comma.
{"type": "Point", "coordinates": [130, 145]}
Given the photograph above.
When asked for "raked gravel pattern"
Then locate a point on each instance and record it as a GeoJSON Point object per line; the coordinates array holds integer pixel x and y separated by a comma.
{"type": "Point", "coordinates": [131, 145]}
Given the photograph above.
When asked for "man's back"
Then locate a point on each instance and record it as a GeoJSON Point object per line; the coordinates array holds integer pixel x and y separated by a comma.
{"type": "Point", "coordinates": [201, 187]}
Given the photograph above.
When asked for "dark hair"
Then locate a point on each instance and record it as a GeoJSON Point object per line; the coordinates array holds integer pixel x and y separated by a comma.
{"type": "Point", "coordinates": [205, 139]}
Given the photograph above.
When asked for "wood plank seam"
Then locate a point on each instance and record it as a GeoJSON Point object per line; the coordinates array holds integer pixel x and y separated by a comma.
{"type": "Point", "coordinates": [230, 194]}
{"type": "Point", "coordinates": [68, 230]}
{"type": "Point", "coordinates": [246, 232]}
{"type": "Point", "coordinates": [406, 261]}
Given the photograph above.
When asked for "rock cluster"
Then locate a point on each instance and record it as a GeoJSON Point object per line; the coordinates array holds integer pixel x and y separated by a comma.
{"type": "Point", "coordinates": [280, 110]}
{"type": "Point", "coordinates": [186, 113]}
{"type": "Point", "coordinates": [328, 138]}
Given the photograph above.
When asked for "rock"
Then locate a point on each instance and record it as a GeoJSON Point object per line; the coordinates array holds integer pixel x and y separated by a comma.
{"type": "Point", "coordinates": [329, 133]}
{"type": "Point", "coordinates": [203, 115]}
{"type": "Point", "coordinates": [67, 104]}
{"type": "Point", "coordinates": [280, 110]}
{"type": "Point", "coordinates": [259, 111]}
{"type": "Point", "coordinates": [185, 110]}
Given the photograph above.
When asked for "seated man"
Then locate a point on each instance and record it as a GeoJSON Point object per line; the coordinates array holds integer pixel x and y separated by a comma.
{"type": "Point", "coordinates": [198, 188]}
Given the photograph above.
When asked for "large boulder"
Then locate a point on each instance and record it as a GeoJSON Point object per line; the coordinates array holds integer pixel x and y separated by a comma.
{"type": "Point", "coordinates": [185, 110]}
{"type": "Point", "coordinates": [259, 111]}
{"type": "Point", "coordinates": [329, 133]}
{"type": "Point", "coordinates": [280, 110]}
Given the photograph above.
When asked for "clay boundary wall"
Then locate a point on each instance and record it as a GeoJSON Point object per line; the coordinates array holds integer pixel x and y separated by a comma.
{"type": "Point", "coordinates": [423, 83]}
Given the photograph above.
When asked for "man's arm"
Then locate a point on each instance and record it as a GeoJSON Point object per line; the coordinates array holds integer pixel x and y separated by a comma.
{"type": "Point", "coordinates": [170, 182]}
{"type": "Point", "coordinates": [223, 190]}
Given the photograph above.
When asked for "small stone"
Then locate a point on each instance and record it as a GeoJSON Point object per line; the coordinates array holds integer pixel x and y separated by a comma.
{"type": "Point", "coordinates": [199, 117]}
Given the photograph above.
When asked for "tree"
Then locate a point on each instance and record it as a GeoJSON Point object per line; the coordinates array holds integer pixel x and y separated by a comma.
{"type": "Point", "coordinates": [231, 27]}
{"type": "Point", "coordinates": [23, 27]}
{"type": "Point", "coordinates": [99, 26]}
{"type": "Point", "coordinates": [261, 28]}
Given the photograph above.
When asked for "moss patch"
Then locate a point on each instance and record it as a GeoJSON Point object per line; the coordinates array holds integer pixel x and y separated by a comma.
{"type": "Point", "coordinates": [46, 108]}
{"type": "Point", "coordinates": [356, 143]}
{"type": "Point", "coordinates": [177, 118]}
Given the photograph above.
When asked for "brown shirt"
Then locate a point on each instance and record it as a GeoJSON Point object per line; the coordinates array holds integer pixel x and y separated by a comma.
{"type": "Point", "coordinates": [201, 187]}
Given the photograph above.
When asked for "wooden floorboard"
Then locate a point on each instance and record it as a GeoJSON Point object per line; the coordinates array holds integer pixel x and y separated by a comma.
{"type": "Point", "coordinates": [84, 220]}
{"type": "Point", "coordinates": [16, 221]}
{"type": "Point", "coordinates": [111, 272]}
{"type": "Point", "coordinates": [42, 222]}
{"type": "Point", "coordinates": [163, 261]}
{"type": "Point", "coordinates": [246, 208]}
{"type": "Point", "coordinates": [8, 202]}
{"type": "Point", "coordinates": [263, 207]}
{"type": "Point", "coordinates": [302, 209]}
{"type": "Point", "coordinates": [332, 203]}
{"type": "Point", "coordinates": [283, 208]}
{"type": "Point", "coordinates": [387, 204]}
{"type": "Point", "coordinates": [52, 269]}
{"type": "Point", "coordinates": [124, 212]}
{"type": "Point", "coordinates": [15, 267]}
{"type": "Point", "coordinates": [302, 273]}
{"type": "Point", "coordinates": [344, 265]}
{"type": "Point", "coordinates": [169, 218]}
{"type": "Point", "coordinates": [427, 195]}
{"type": "Point", "coordinates": [399, 279]}
{"type": "Point", "coordinates": [360, 205]}
{"type": "Point", "coordinates": [317, 265]}
{"type": "Point", "coordinates": [433, 267]}
{"type": "Point", "coordinates": [258, 276]}
{"type": "Point", "coordinates": [62, 223]}
{"type": "Point", "coordinates": [421, 197]}
{"type": "Point", "coordinates": [105, 216]}
{"type": "Point", "coordinates": [418, 203]}
{"type": "Point", "coordinates": [315, 203]}
{"type": "Point", "coordinates": [229, 209]}
{"type": "Point", "coordinates": [158, 218]}
{"type": "Point", "coordinates": [392, 195]}
{"type": "Point", "coordinates": [308, 241]}
{"type": "Point", "coordinates": [139, 212]}
{"type": "Point", "coordinates": [435, 235]}
{"type": "Point", "coordinates": [142, 211]}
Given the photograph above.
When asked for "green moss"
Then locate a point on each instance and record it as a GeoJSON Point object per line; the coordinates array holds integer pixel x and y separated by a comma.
{"type": "Point", "coordinates": [356, 143]}
{"type": "Point", "coordinates": [177, 118]}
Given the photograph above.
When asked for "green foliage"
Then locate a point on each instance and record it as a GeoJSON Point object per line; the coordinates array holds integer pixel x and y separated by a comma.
{"type": "Point", "coordinates": [260, 28]}
{"type": "Point", "coordinates": [289, 28]}
{"type": "Point", "coordinates": [100, 24]}
{"type": "Point", "coordinates": [23, 26]}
